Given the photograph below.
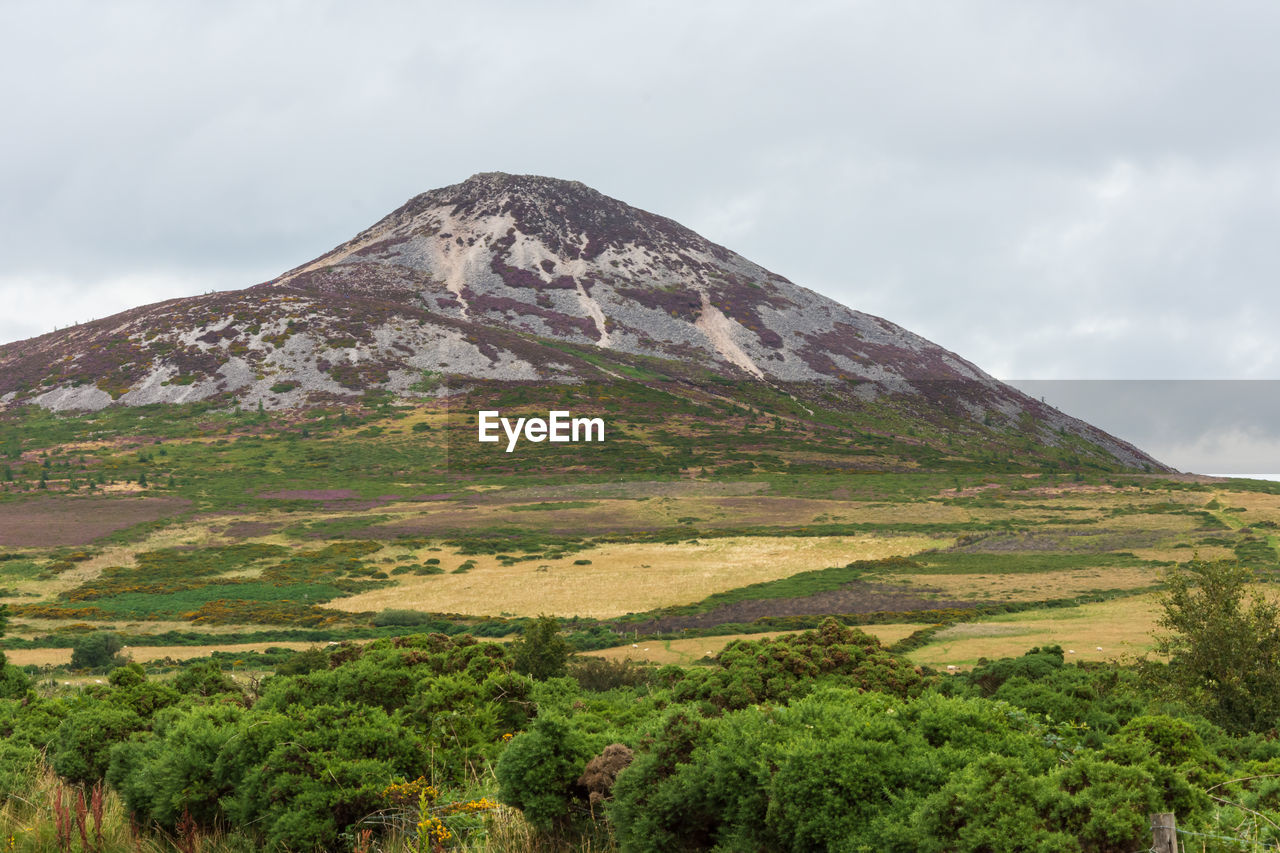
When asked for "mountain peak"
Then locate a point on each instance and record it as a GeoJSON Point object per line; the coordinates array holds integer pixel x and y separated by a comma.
{"type": "Point", "coordinates": [571, 217]}
{"type": "Point", "coordinates": [510, 278]}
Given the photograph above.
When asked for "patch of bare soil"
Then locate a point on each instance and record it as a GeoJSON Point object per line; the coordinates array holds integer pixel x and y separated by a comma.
{"type": "Point", "coordinates": [857, 597]}
{"type": "Point", "coordinates": [50, 522]}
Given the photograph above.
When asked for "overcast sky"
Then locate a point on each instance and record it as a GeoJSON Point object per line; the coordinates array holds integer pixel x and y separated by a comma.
{"type": "Point", "coordinates": [1054, 190]}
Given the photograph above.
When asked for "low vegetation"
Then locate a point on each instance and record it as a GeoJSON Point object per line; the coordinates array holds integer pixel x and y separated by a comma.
{"type": "Point", "coordinates": [314, 597]}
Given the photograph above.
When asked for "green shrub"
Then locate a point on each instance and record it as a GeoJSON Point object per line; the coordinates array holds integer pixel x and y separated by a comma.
{"type": "Point", "coordinates": [541, 652]}
{"type": "Point", "coordinates": [539, 770]}
{"type": "Point", "coordinates": [834, 770]}
{"type": "Point", "coordinates": [993, 805]}
{"type": "Point", "coordinates": [204, 679]}
{"type": "Point", "coordinates": [303, 777]}
{"type": "Point", "coordinates": [82, 744]}
{"type": "Point", "coordinates": [20, 765]}
{"type": "Point", "coordinates": [173, 773]}
{"type": "Point", "coordinates": [778, 670]}
{"type": "Point", "coordinates": [96, 652]}
{"type": "Point", "coordinates": [33, 721]}
{"type": "Point", "coordinates": [14, 683]}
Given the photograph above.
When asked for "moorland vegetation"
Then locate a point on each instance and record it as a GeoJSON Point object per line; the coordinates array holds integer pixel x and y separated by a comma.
{"type": "Point", "coordinates": [342, 690]}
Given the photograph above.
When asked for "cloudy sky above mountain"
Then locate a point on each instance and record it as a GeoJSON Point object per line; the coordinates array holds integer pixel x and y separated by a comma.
{"type": "Point", "coordinates": [1057, 190]}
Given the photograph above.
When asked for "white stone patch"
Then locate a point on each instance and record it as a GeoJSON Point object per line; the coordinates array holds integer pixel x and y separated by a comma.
{"type": "Point", "coordinates": [719, 330]}
{"type": "Point", "coordinates": [865, 370]}
{"type": "Point", "coordinates": [81, 397]}
{"type": "Point", "coordinates": [449, 353]}
{"type": "Point", "coordinates": [595, 312]}
{"type": "Point", "coordinates": [153, 390]}
{"type": "Point", "coordinates": [456, 265]}
{"type": "Point", "coordinates": [237, 373]}
{"type": "Point", "coordinates": [967, 370]}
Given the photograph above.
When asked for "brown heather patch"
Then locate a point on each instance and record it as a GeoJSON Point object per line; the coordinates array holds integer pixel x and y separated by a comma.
{"type": "Point", "coordinates": [626, 578]}
{"type": "Point", "coordinates": [1035, 586]}
{"type": "Point", "coordinates": [50, 522]}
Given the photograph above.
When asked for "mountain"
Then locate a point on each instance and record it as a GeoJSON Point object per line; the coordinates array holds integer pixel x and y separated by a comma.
{"type": "Point", "coordinates": [526, 279]}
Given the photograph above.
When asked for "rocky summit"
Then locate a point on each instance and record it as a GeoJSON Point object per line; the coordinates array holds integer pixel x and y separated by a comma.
{"type": "Point", "coordinates": [512, 278]}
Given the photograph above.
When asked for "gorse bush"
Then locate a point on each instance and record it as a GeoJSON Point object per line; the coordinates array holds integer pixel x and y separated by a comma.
{"type": "Point", "coordinates": [834, 770]}
{"type": "Point", "coordinates": [752, 671]}
{"type": "Point", "coordinates": [817, 741]}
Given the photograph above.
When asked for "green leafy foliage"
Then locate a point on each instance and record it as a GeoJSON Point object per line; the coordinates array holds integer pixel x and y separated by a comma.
{"type": "Point", "coordinates": [82, 744]}
{"type": "Point", "coordinates": [753, 671]}
{"type": "Point", "coordinates": [541, 652]}
{"type": "Point", "coordinates": [1223, 643]}
{"type": "Point", "coordinates": [538, 772]}
{"type": "Point", "coordinates": [96, 651]}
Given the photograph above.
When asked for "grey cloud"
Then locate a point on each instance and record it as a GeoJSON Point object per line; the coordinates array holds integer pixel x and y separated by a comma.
{"type": "Point", "coordinates": [1207, 426]}
{"type": "Point", "coordinates": [1059, 189]}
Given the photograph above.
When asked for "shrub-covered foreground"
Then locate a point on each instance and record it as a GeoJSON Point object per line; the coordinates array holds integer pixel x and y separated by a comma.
{"type": "Point", "coordinates": [819, 741]}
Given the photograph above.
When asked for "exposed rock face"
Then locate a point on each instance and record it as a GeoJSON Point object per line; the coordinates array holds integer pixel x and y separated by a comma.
{"type": "Point", "coordinates": [491, 279]}
{"type": "Point", "coordinates": [559, 260]}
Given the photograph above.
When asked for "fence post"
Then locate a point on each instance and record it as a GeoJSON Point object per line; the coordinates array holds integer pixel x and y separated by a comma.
{"type": "Point", "coordinates": [1164, 833]}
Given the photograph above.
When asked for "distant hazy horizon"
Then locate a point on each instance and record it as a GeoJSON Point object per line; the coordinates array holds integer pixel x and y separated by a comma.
{"type": "Point", "coordinates": [1226, 428]}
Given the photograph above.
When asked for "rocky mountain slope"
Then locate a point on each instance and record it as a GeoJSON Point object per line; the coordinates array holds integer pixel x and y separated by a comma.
{"type": "Point", "coordinates": [517, 279]}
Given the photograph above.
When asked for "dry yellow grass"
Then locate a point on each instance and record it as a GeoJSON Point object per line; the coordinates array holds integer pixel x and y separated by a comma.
{"type": "Point", "coordinates": [690, 650]}
{"type": "Point", "coordinates": [1123, 629]}
{"type": "Point", "coordinates": [1173, 525]}
{"type": "Point", "coordinates": [1034, 586]}
{"type": "Point", "coordinates": [27, 627]}
{"type": "Point", "coordinates": [1182, 555]}
{"type": "Point", "coordinates": [1257, 506]}
{"type": "Point", "coordinates": [628, 578]}
{"type": "Point", "coordinates": [144, 654]}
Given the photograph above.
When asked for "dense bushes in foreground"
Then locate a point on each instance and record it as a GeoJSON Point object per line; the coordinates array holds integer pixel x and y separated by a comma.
{"type": "Point", "coordinates": [820, 741]}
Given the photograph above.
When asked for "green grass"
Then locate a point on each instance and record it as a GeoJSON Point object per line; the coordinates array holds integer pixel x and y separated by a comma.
{"type": "Point", "coordinates": [334, 528]}
{"type": "Point", "coordinates": [173, 605]}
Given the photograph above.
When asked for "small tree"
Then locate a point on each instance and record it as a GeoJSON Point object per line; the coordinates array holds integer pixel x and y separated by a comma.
{"type": "Point", "coordinates": [1224, 643]}
{"type": "Point", "coordinates": [541, 652]}
{"type": "Point", "coordinates": [97, 651]}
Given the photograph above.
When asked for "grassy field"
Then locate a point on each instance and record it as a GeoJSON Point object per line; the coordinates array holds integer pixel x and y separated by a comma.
{"type": "Point", "coordinates": [148, 654]}
{"type": "Point", "coordinates": [1113, 630]}
{"type": "Point", "coordinates": [613, 580]}
{"type": "Point", "coordinates": [189, 521]}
